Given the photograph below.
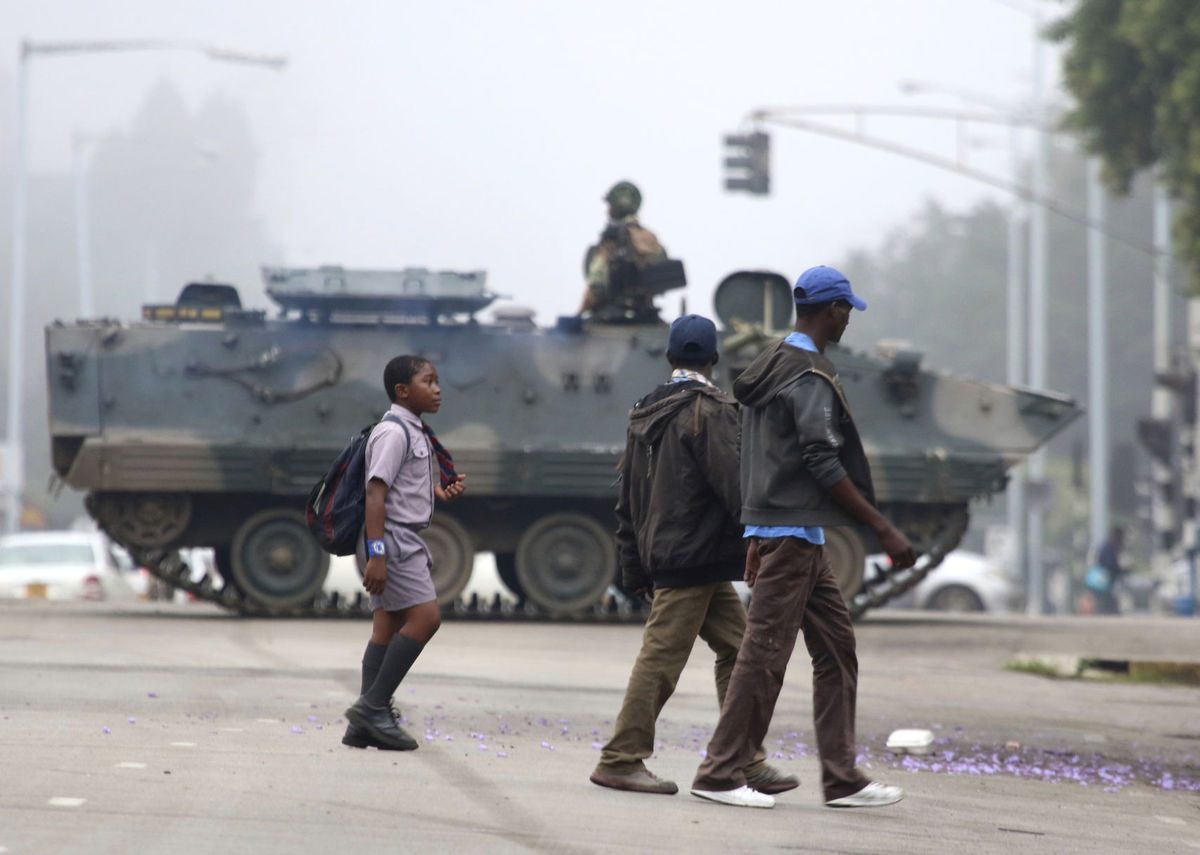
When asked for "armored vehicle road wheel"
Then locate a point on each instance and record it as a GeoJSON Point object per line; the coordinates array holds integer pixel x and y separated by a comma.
{"type": "Point", "coordinates": [453, 557]}
{"type": "Point", "coordinates": [142, 519]}
{"type": "Point", "coordinates": [275, 561]}
{"type": "Point", "coordinates": [847, 556]}
{"type": "Point", "coordinates": [565, 562]}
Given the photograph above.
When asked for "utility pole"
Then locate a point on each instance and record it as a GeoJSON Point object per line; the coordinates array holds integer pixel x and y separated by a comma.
{"type": "Point", "coordinates": [1035, 603]}
{"type": "Point", "coordinates": [1162, 499]}
{"type": "Point", "coordinates": [1097, 275]}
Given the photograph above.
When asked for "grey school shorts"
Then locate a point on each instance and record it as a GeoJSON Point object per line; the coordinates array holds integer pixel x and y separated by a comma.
{"type": "Point", "coordinates": [409, 563]}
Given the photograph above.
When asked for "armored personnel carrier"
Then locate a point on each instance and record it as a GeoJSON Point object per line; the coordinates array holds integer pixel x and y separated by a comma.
{"type": "Point", "coordinates": [206, 424]}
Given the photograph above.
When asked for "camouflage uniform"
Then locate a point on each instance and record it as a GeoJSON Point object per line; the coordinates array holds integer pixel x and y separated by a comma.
{"type": "Point", "coordinates": [622, 236]}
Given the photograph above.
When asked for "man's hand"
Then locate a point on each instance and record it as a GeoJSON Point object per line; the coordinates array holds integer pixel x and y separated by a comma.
{"type": "Point", "coordinates": [896, 545]}
{"type": "Point", "coordinates": [375, 574]}
{"type": "Point", "coordinates": [452, 491]}
{"type": "Point", "coordinates": [646, 595]}
{"type": "Point", "coordinates": [753, 560]}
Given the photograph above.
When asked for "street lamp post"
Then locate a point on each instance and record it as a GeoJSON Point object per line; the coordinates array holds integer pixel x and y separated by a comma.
{"type": "Point", "coordinates": [12, 474]}
{"type": "Point", "coordinates": [1015, 312]}
{"type": "Point", "coordinates": [83, 234]}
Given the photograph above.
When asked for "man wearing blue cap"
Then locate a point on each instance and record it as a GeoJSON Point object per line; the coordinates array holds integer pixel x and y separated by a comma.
{"type": "Point", "coordinates": [680, 546]}
{"type": "Point", "coordinates": [802, 468]}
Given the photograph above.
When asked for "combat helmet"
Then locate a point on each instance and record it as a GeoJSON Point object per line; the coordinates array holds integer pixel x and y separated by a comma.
{"type": "Point", "coordinates": [624, 199]}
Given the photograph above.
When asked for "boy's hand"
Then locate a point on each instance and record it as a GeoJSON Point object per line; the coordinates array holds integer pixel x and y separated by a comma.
{"type": "Point", "coordinates": [452, 491]}
{"type": "Point", "coordinates": [375, 574]}
{"type": "Point", "coordinates": [753, 560]}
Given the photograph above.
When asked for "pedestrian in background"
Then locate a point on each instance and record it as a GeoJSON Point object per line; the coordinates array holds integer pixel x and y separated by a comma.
{"type": "Point", "coordinates": [406, 469]}
{"type": "Point", "coordinates": [1103, 576]}
{"type": "Point", "coordinates": [802, 468]}
{"type": "Point", "coordinates": [680, 547]}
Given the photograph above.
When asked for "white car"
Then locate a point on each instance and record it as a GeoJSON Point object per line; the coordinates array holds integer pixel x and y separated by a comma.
{"type": "Point", "coordinates": [61, 565]}
{"type": "Point", "coordinates": [963, 582]}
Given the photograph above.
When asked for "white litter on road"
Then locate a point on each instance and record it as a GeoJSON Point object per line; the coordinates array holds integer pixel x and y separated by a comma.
{"type": "Point", "coordinates": [65, 801]}
{"type": "Point", "coordinates": [129, 764]}
{"type": "Point", "coordinates": [183, 745]}
{"type": "Point", "coordinates": [910, 741]}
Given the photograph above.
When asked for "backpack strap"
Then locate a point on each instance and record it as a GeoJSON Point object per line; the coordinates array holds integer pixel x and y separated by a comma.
{"type": "Point", "coordinates": [389, 417]}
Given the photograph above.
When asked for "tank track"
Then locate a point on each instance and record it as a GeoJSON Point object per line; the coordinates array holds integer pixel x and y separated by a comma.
{"type": "Point", "coordinates": [891, 583]}
{"type": "Point", "coordinates": [169, 567]}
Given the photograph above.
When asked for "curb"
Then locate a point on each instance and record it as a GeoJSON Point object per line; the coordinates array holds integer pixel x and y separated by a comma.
{"type": "Point", "coordinates": [1065, 666]}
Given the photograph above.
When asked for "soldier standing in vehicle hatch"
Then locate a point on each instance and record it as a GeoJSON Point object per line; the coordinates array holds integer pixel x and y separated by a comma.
{"type": "Point", "coordinates": [625, 247]}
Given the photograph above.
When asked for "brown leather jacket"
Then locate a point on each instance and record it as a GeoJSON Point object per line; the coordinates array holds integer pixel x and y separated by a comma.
{"type": "Point", "coordinates": [679, 500]}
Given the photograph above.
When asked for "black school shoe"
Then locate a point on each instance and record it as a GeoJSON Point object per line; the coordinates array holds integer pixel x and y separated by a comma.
{"type": "Point", "coordinates": [378, 726]}
{"type": "Point", "coordinates": [356, 737]}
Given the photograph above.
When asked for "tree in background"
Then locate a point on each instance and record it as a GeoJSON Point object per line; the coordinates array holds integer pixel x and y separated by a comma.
{"type": "Point", "coordinates": [938, 280]}
{"type": "Point", "coordinates": [172, 201]}
{"type": "Point", "coordinates": [1134, 69]}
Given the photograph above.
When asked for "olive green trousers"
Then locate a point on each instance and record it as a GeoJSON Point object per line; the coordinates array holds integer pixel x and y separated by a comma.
{"type": "Point", "coordinates": [678, 616]}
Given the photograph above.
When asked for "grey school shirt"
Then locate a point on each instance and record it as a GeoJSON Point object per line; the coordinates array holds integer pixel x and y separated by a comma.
{"type": "Point", "coordinates": [405, 464]}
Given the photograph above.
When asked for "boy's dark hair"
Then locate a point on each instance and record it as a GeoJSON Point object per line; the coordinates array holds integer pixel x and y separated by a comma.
{"type": "Point", "coordinates": [401, 370]}
{"type": "Point", "coordinates": [809, 309]}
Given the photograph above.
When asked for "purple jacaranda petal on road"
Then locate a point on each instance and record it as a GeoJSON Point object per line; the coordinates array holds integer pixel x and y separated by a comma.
{"type": "Point", "coordinates": [297, 729]}
{"type": "Point", "coordinates": [132, 720]}
{"type": "Point", "coordinates": [313, 718]}
{"type": "Point", "coordinates": [501, 753]}
{"type": "Point", "coordinates": [597, 745]}
{"type": "Point", "coordinates": [106, 729]}
{"type": "Point", "coordinates": [152, 694]}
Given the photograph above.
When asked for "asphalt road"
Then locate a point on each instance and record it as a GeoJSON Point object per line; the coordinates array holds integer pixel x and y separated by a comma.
{"type": "Point", "coordinates": [178, 729]}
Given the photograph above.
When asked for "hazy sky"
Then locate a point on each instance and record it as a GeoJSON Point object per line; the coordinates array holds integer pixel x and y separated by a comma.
{"type": "Point", "coordinates": [483, 134]}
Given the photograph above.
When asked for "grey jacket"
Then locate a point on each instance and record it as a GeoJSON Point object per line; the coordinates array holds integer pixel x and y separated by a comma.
{"type": "Point", "coordinates": [798, 440]}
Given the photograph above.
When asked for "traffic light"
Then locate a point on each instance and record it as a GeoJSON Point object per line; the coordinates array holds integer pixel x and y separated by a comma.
{"type": "Point", "coordinates": [748, 163]}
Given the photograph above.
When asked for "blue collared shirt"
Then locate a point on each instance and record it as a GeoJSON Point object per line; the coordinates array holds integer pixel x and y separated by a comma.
{"type": "Point", "coordinates": [812, 533]}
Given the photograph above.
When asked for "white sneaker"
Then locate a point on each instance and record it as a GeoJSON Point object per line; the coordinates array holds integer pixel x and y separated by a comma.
{"type": "Point", "coordinates": [873, 794]}
{"type": "Point", "coordinates": [741, 797]}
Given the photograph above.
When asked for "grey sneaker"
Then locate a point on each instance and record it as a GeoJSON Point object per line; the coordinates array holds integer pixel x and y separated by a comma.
{"type": "Point", "coordinates": [378, 724]}
{"type": "Point", "coordinates": [767, 779]}
{"type": "Point", "coordinates": [641, 781]}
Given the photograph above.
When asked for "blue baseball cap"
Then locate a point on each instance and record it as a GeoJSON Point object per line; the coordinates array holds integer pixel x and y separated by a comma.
{"type": "Point", "coordinates": [693, 338]}
{"type": "Point", "coordinates": [823, 284]}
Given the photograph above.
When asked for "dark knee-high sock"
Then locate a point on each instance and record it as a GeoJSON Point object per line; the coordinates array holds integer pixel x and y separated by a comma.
{"type": "Point", "coordinates": [401, 653]}
{"type": "Point", "coordinates": [372, 659]}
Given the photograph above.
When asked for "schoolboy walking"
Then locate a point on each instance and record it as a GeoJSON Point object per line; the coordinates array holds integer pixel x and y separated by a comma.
{"type": "Point", "coordinates": [802, 468]}
{"type": "Point", "coordinates": [680, 545]}
{"type": "Point", "coordinates": [407, 468]}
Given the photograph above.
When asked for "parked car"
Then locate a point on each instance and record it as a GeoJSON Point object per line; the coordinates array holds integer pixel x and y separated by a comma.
{"type": "Point", "coordinates": [62, 565]}
{"type": "Point", "coordinates": [964, 582]}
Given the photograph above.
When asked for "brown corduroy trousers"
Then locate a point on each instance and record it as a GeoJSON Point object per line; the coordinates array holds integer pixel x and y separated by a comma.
{"type": "Point", "coordinates": [795, 591]}
{"type": "Point", "coordinates": [677, 617]}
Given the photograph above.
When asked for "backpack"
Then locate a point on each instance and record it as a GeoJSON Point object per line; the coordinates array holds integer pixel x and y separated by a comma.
{"type": "Point", "coordinates": [337, 504]}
